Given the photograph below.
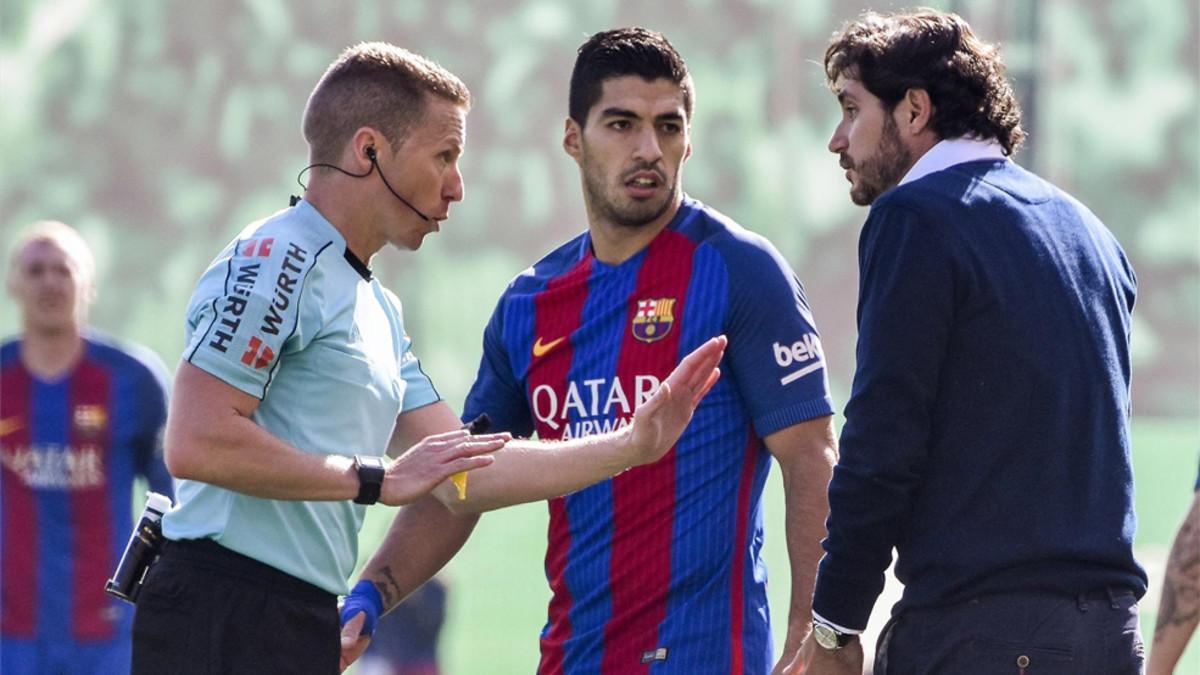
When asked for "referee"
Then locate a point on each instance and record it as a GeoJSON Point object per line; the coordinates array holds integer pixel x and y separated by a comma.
{"type": "Point", "coordinates": [297, 368]}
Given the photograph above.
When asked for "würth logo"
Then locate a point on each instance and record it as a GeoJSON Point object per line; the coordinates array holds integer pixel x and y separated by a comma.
{"type": "Point", "coordinates": [258, 354]}
{"type": "Point", "coordinates": [262, 246]}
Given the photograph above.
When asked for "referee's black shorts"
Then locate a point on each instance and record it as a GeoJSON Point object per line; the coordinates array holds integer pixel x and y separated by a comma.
{"type": "Point", "coordinates": [205, 609]}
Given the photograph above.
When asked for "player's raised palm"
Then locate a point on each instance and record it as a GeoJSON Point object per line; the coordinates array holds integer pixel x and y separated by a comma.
{"type": "Point", "coordinates": [658, 423]}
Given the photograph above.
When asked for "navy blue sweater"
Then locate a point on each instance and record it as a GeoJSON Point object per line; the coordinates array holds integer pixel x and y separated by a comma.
{"type": "Point", "coordinates": [987, 433]}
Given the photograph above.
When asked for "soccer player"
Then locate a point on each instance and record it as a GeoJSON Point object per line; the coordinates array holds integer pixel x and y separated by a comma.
{"type": "Point", "coordinates": [299, 372]}
{"type": "Point", "coordinates": [659, 569]}
{"type": "Point", "coordinates": [80, 419]}
{"type": "Point", "coordinates": [987, 432]}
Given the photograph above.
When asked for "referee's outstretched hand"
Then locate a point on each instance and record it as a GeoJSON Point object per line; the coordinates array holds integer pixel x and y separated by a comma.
{"type": "Point", "coordinates": [659, 423]}
{"type": "Point", "coordinates": [433, 460]}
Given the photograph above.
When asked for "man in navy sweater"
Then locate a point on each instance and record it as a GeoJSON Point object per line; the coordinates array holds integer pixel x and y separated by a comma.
{"type": "Point", "coordinates": [987, 433]}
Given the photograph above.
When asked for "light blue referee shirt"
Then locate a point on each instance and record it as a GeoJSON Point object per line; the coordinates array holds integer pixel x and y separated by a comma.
{"type": "Point", "coordinates": [286, 314]}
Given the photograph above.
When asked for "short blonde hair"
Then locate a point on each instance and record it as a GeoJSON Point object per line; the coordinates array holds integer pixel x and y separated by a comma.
{"type": "Point", "coordinates": [64, 237]}
{"type": "Point", "coordinates": [378, 85]}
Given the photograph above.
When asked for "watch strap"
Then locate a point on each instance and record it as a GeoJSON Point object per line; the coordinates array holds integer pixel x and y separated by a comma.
{"type": "Point", "coordinates": [370, 470]}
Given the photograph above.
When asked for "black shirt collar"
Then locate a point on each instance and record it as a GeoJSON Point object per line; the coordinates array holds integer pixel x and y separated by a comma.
{"type": "Point", "coordinates": [358, 265]}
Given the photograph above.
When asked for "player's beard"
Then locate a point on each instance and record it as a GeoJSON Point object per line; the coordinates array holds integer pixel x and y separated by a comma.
{"type": "Point", "coordinates": [622, 211]}
{"type": "Point", "coordinates": [882, 170]}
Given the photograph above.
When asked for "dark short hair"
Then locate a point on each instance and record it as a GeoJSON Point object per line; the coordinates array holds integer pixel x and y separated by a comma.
{"type": "Point", "coordinates": [374, 84]}
{"type": "Point", "coordinates": [624, 51]}
{"type": "Point", "coordinates": [935, 51]}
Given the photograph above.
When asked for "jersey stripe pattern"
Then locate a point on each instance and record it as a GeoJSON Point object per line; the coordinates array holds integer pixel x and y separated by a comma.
{"type": "Point", "coordinates": [71, 449]}
{"type": "Point", "coordinates": [657, 570]}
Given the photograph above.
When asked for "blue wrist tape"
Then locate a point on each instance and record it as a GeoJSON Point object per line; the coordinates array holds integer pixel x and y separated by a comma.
{"type": "Point", "coordinates": [364, 597]}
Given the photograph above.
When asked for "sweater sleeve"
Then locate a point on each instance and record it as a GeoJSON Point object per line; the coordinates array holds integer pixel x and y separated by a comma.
{"type": "Point", "coordinates": [906, 309]}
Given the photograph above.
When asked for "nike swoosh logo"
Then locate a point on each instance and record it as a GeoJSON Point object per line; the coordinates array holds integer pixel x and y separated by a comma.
{"type": "Point", "coordinates": [540, 349]}
{"type": "Point", "coordinates": [10, 424]}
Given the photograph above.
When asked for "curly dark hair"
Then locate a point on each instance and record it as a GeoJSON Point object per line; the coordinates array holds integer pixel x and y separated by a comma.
{"type": "Point", "coordinates": [624, 51]}
{"type": "Point", "coordinates": [938, 52]}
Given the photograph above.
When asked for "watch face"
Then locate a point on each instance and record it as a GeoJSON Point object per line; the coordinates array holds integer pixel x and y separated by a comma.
{"type": "Point", "coordinates": [825, 636]}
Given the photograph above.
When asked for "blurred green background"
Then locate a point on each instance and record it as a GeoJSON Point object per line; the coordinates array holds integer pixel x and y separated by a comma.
{"type": "Point", "coordinates": [159, 129]}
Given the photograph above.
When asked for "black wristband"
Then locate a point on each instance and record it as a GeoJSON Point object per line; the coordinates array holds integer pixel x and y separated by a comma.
{"type": "Point", "coordinates": [370, 478]}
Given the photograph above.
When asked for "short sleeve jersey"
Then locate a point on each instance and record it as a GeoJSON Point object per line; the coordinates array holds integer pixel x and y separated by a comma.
{"type": "Point", "coordinates": [658, 569]}
{"type": "Point", "coordinates": [287, 314]}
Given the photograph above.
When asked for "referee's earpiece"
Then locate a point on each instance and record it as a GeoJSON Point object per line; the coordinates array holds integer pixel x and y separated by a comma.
{"type": "Point", "coordinates": [369, 151]}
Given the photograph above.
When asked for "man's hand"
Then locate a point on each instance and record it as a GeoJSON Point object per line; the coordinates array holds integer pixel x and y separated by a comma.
{"type": "Point", "coordinates": [353, 643]}
{"type": "Point", "coordinates": [815, 660]}
{"type": "Point", "coordinates": [359, 612]}
{"type": "Point", "coordinates": [433, 460]}
{"type": "Point", "coordinates": [658, 423]}
{"type": "Point", "coordinates": [791, 649]}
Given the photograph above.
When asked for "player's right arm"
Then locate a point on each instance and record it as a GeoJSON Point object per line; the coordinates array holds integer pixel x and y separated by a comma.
{"type": "Point", "coordinates": [530, 471]}
{"type": "Point", "coordinates": [211, 438]}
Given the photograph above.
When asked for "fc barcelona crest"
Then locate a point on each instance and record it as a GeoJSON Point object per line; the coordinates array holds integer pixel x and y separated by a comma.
{"type": "Point", "coordinates": [653, 319]}
{"type": "Point", "coordinates": [90, 420]}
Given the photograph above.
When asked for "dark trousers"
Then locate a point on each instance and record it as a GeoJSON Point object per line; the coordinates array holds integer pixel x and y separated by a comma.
{"type": "Point", "coordinates": [207, 610]}
{"type": "Point", "coordinates": [1095, 633]}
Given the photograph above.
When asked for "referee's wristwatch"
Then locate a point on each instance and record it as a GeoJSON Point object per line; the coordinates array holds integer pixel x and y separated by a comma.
{"type": "Point", "coordinates": [370, 471]}
{"type": "Point", "coordinates": [828, 637]}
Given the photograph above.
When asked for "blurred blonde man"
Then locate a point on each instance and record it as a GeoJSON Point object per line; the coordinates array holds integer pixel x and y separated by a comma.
{"type": "Point", "coordinates": [80, 419]}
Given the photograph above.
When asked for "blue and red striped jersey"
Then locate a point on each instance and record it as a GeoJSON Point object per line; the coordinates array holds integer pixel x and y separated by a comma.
{"type": "Point", "coordinates": [71, 448]}
{"type": "Point", "coordinates": [658, 569]}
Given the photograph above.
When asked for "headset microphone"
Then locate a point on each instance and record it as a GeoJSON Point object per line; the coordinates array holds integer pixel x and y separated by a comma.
{"type": "Point", "coordinates": [375, 164]}
{"type": "Point", "coordinates": [370, 152]}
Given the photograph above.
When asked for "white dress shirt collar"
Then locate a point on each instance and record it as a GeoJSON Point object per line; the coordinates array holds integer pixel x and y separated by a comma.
{"type": "Point", "coordinates": [948, 152]}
